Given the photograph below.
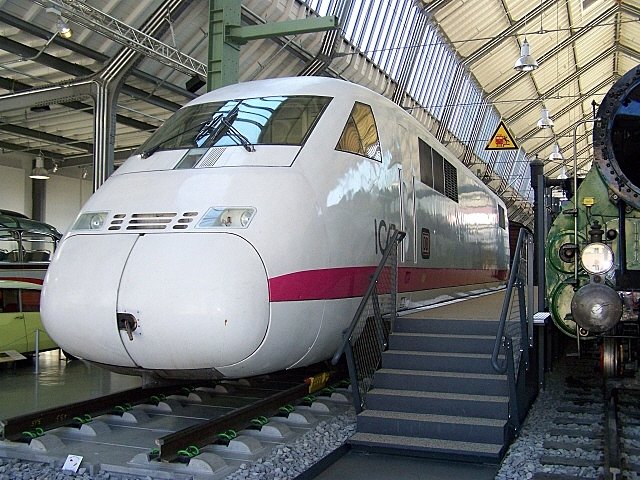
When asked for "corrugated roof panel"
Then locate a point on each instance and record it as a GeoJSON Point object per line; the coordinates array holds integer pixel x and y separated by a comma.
{"type": "Point", "coordinates": [469, 31]}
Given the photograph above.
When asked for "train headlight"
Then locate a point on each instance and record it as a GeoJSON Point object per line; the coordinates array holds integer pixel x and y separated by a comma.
{"type": "Point", "coordinates": [229, 217]}
{"type": "Point", "coordinates": [90, 221]}
{"type": "Point", "coordinates": [597, 258]}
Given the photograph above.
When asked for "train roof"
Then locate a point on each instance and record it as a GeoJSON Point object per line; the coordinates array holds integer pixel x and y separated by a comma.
{"type": "Point", "coordinates": [24, 224]}
{"type": "Point", "coordinates": [323, 86]}
{"type": "Point", "coordinates": [11, 213]}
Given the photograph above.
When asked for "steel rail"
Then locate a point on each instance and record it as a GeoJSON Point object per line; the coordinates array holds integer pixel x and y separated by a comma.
{"type": "Point", "coordinates": [612, 454]}
{"type": "Point", "coordinates": [14, 428]}
{"type": "Point", "coordinates": [207, 432]}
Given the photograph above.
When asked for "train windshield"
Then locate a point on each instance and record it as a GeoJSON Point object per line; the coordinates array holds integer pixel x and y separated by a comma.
{"type": "Point", "coordinates": [23, 240]}
{"type": "Point", "coordinates": [277, 120]}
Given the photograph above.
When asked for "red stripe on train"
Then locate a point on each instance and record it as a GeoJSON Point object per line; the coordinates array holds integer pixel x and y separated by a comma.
{"type": "Point", "coordinates": [348, 282]}
{"type": "Point", "coordinates": [37, 281]}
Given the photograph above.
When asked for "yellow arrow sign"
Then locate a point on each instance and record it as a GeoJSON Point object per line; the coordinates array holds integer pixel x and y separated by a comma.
{"type": "Point", "coordinates": [501, 139]}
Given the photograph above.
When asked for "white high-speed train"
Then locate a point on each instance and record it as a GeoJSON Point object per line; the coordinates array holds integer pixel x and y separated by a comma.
{"type": "Point", "coordinates": [240, 237]}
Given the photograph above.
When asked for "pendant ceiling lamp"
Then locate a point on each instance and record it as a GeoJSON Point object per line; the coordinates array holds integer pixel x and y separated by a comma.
{"type": "Point", "coordinates": [39, 172]}
{"type": "Point", "coordinates": [545, 121]}
{"type": "Point", "coordinates": [526, 63]}
{"type": "Point", "coordinates": [556, 154]}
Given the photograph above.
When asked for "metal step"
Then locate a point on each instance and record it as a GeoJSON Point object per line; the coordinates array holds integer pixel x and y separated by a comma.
{"type": "Point", "coordinates": [429, 447]}
{"type": "Point", "coordinates": [436, 381]}
{"type": "Point", "coordinates": [438, 403]}
{"type": "Point", "coordinates": [440, 361]}
{"type": "Point", "coordinates": [439, 325]}
{"type": "Point", "coordinates": [439, 342]}
{"type": "Point", "coordinates": [443, 427]}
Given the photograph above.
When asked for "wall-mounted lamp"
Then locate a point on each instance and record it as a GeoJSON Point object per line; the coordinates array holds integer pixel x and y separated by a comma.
{"type": "Point", "coordinates": [62, 26]}
{"type": "Point", "coordinates": [39, 172]}
{"type": "Point", "coordinates": [545, 121]}
{"type": "Point", "coordinates": [526, 63]}
{"type": "Point", "coordinates": [84, 173]}
{"type": "Point", "coordinates": [55, 167]}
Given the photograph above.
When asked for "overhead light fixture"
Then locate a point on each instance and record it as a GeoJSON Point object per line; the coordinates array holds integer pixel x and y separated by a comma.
{"type": "Point", "coordinates": [195, 83]}
{"type": "Point", "coordinates": [63, 27]}
{"type": "Point", "coordinates": [545, 121]}
{"type": "Point", "coordinates": [555, 153]}
{"type": "Point", "coordinates": [526, 63]}
{"type": "Point", "coordinates": [39, 172]}
{"type": "Point", "coordinates": [563, 173]}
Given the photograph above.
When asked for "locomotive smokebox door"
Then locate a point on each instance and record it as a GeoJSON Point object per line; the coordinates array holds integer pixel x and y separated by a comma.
{"type": "Point", "coordinates": [596, 307]}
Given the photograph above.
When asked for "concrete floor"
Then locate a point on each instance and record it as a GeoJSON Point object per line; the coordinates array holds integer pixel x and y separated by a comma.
{"type": "Point", "coordinates": [59, 381]}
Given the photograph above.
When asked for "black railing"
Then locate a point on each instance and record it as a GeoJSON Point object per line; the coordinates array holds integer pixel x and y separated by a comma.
{"type": "Point", "coordinates": [368, 334]}
{"type": "Point", "coordinates": [515, 330]}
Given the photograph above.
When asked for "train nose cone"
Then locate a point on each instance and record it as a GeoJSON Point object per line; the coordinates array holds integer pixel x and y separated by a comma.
{"type": "Point", "coordinates": [165, 302]}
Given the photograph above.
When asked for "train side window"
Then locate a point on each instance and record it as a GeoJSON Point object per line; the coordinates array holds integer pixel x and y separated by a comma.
{"type": "Point", "coordinates": [9, 300]}
{"type": "Point", "coordinates": [360, 134]}
{"type": "Point", "coordinates": [426, 163]}
{"type": "Point", "coordinates": [30, 300]}
{"type": "Point", "coordinates": [450, 181]}
{"type": "Point", "coordinates": [436, 172]}
{"type": "Point", "coordinates": [502, 217]}
{"type": "Point", "coordinates": [8, 248]}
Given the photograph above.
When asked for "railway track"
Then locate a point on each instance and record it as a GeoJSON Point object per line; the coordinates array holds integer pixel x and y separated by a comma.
{"type": "Point", "coordinates": [177, 432]}
{"type": "Point", "coordinates": [596, 433]}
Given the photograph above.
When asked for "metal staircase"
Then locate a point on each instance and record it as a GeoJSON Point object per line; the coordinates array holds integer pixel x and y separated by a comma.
{"type": "Point", "coordinates": [456, 389]}
{"type": "Point", "coordinates": [437, 394]}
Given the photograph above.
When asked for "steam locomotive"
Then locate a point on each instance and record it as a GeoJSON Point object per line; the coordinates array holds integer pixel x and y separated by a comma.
{"type": "Point", "coordinates": [593, 245]}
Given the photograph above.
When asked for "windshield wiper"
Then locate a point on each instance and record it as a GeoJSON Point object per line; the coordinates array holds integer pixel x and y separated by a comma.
{"type": "Point", "coordinates": [208, 127]}
{"type": "Point", "coordinates": [225, 127]}
{"type": "Point", "coordinates": [217, 127]}
{"type": "Point", "coordinates": [150, 151]}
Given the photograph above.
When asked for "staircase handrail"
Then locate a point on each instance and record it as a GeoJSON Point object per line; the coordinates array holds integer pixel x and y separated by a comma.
{"type": "Point", "coordinates": [523, 236]}
{"type": "Point", "coordinates": [394, 241]}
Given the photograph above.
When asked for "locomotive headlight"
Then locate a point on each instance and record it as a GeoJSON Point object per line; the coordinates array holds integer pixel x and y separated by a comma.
{"type": "Point", "coordinates": [229, 217]}
{"type": "Point", "coordinates": [90, 221]}
{"type": "Point", "coordinates": [245, 218]}
{"type": "Point", "coordinates": [597, 258]}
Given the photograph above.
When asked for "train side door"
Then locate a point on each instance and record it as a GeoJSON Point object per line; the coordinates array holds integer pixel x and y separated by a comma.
{"type": "Point", "coordinates": [407, 194]}
{"type": "Point", "coordinates": [13, 335]}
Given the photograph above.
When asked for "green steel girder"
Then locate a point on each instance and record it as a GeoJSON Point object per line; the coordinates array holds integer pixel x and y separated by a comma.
{"type": "Point", "coordinates": [226, 35]}
{"type": "Point", "coordinates": [242, 35]}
